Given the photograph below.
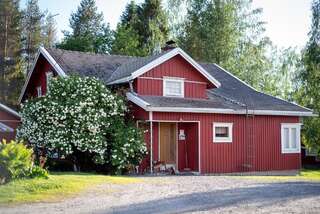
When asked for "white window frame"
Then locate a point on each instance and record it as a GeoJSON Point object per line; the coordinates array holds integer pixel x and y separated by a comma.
{"type": "Point", "coordinates": [290, 126]}
{"type": "Point", "coordinates": [39, 91]}
{"type": "Point", "coordinates": [223, 139]}
{"type": "Point", "coordinates": [49, 76]}
{"type": "Point", "coordinates": [173, 79]}
{"type": "Point", "coordinates": [5, 128]}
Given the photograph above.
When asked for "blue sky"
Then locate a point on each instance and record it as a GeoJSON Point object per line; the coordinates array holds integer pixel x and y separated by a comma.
{"type": "Point", "coordinates": [288, 21]}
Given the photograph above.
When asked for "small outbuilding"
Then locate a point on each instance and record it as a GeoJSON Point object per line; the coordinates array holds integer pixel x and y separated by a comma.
{"type": "Point", "coordinates": [9, 121]}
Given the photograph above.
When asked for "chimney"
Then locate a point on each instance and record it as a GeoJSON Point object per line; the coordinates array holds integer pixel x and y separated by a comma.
{"type": "Point", "coordinates": [169, 45]}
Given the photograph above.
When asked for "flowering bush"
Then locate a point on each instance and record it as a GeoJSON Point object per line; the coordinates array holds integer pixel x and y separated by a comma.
{"type": "Point", "coordinates": [81, 114]}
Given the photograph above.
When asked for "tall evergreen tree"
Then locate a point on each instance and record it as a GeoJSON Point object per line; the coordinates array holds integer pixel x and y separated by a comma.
{"type": "Point", "coordinates": [144, 26]}
{"type": "Point", "coordinates": [11, 73]}
{"type": "Point", "coordinates": [89, 32]}
{"type": "Point", "coordinates": [308, 90]}
{"type": "Point", "coordinates": [49, 31]}
{"type": "Point", "coordinates": [32, 23]}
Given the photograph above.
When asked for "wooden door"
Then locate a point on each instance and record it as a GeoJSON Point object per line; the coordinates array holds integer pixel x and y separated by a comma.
{"type": "Point", "coordinates": [168, 142]}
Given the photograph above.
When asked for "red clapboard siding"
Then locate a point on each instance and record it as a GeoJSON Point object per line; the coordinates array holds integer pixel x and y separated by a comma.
{"type": "Point", "coordinates": [11, 121]}
{"type": "Point", "coordinates": [38, 77]}
{"type": "Point", "coordinates": [233, 157]}
{"type": "Point", "coordinates": [151, 82]}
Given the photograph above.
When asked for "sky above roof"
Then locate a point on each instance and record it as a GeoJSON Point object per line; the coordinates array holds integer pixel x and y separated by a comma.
{"type": "Point", "coordinates": [288, 21]}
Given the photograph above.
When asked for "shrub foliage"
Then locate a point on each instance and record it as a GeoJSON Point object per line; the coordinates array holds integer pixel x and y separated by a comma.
{"type": "Point", "coordinates": [82, 115]}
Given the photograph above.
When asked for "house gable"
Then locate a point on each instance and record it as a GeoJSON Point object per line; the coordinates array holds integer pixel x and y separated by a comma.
{"type": "Point", "coordinates": [152, 82]}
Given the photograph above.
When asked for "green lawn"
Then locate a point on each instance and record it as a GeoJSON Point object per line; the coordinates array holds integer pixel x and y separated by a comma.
{"type": "Point", "coordinates": [58, 186]}
{"type": "Point", "coordinates": [305, 175]}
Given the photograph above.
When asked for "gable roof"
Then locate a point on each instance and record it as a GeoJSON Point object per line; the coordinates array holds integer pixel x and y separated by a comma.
{"type": "Point", "coordinates": [9, 110]}
{"type": "Point", "coordinates": [132, 70]}
{"type": "Point", "coordinates": [230, 95]}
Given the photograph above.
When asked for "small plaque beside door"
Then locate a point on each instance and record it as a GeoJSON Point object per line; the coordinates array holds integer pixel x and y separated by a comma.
{"type": "Point", "coordinates": [182, 135]}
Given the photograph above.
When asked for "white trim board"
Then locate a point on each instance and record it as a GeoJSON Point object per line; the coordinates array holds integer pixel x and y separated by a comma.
{"type": "Point", "coordinates": [9, 110]}
{"type": "Point", "coordinates": [164, 58]}
{"type": "Point", "coordinates": [146, 106]}
{"type": "Point", "coordinates": [52, 62]}
{"type": "Point", "coordinates": [5, 128]}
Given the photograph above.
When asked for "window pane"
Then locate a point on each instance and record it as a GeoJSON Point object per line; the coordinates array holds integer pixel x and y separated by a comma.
{"type": "Point", "coordinates": [173, 87]}
{"type": "Point", "coordinates": [293, 138]}
{"type": "Point", "coordinates": [221, 131]}
{"type": "Point", "coordinates": [286, 138]}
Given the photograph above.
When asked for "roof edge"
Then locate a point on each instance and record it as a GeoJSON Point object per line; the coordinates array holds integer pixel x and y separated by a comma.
{"type": "Point", "coordinates": [10, 110]}
{"type": "Point", "coordinates": [52, 62]}
{"type": "Point", "coordinates": [260, 91]}
{"type": "Point", "coordinates": [147, 107]}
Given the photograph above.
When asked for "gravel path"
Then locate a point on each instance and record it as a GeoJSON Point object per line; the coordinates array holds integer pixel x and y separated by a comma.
{"type": "Point", "coordinates": [188, 194]}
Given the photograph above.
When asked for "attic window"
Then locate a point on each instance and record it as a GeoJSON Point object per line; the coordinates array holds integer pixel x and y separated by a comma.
{"type": "Point", "coordinates": [173, 87]}
{"type": "Point", "coordinates": [39, 91]}
{"type": "Point", "coordinates": [49, 76]}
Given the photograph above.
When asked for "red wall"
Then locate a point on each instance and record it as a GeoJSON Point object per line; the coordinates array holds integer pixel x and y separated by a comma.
{"type": "Point", "coordinates": [38, 78]}
{"type": "Point", "coordinates": [264, 155]}
{"type": "Point", "coordinates": [151, 82]}
{"type": "Point", "coordinates": [11, 121]}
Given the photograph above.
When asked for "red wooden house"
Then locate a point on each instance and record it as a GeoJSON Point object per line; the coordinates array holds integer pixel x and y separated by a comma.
{"type": "Point", "coordinates": [9, 121]}
{"type": "Point", "coordinates": [199, 117]}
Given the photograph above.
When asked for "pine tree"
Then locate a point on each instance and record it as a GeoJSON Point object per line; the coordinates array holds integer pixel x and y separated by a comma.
{"type": "Point", "coordinates": [11, 66]}
{"type": "Point", "coordinates": [89, 32]}
{"type": "Point", "coordinates": [32, 23]}
{"type": "Point", "coordinates": [145, 26]}
{"type": "Point", "coordinates": [49, 31]}
{"type": "Point", "coordinates": [308, 88]}
{"type": "Point", "coordinates": [154, 22]}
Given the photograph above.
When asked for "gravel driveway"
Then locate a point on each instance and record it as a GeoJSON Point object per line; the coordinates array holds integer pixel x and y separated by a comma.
{"type": "Point", "coordinates": [189, 194]}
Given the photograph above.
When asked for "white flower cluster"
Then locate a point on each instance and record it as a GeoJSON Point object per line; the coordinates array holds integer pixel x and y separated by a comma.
{"type": "Point", "coordinates": [82, 114]}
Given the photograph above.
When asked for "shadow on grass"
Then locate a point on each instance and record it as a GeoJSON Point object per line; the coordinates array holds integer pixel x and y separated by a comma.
{"type": "Point", "coordinates": [261, 196]}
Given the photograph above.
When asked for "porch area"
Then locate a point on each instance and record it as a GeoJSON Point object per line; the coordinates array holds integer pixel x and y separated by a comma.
{"type": "Point", "coordinates": [173, 146]}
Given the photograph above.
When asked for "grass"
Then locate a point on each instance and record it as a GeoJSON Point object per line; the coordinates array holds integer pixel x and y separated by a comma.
{"type": "Point", "coordinates": [305, 175]}
{"type": "Point", "coordinates": [57, 187]}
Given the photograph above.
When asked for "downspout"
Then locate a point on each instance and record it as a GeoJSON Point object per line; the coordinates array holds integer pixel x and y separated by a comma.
{"type": "Point", "coordinates": [151, 141]}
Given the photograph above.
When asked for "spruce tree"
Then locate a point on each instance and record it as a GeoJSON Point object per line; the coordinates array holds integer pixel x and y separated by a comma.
{"type": "Point", "coordinates": [11, 66]}
{"type": "Point", "coordinates": [32, 38]}
{"type": "Point", "coordinates": [308, 90]}
{"type": "Point", "coordinates": [89, 32]}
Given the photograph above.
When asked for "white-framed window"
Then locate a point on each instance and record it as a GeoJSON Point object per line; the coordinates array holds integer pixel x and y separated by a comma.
{"type": "Point", "coordinates": [222, 132]}
{"type": "Point", "coordinates": [5, 128]}
{"type": "Point", "coordinates": [39, 91]}
{"type": "Point", "coordinates": [290, 138]}
{"type": "Point", "coordinates": [173, 87]}
{"type": "Point", "coordinates": [49, 76]}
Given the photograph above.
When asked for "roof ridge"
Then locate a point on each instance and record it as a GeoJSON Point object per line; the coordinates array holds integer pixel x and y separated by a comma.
{"type": "Point", "coordinates": [94, 54]}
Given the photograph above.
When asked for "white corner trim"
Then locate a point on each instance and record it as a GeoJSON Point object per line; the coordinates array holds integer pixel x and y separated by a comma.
{"type": "Point", "coordinates": [164, 58]}
{"type": "Point", "coordinates": [52, 62]}
{"type": "Point", "coordinates": [222, 139]}
{"type": "Point", "coordinates": [260, 91]}
{"type": "Point", "coordinates": [7, 109]}
{"type": "Point", "coordinates": [5, 128]}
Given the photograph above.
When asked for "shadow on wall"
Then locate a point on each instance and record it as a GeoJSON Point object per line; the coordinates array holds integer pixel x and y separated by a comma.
{"type": "Point", "coordinates": [258, 196]}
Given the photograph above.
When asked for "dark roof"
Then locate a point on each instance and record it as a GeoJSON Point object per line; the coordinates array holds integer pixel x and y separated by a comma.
{"type": "Point", "coordinates": [213, 102]}
{"type": "Point", "coordinates": [101, 66]}
{"type": "Point", "coordinates": [233, 93]}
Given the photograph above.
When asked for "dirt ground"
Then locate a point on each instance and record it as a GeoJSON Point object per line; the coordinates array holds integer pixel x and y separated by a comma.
{"type": "Point", "coordinates": [189, 194]}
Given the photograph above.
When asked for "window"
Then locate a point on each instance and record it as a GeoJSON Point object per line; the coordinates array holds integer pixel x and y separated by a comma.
{"type": "Point", "coordinates": [173, 87]}
{"type": "Point", "coordinates": [39, 91]}
{"type": "Point", "coordinates": [5, 128]}
{"type": "Point", "coordinates": [49, 76]}
{"type": "Point", "coordinates": [222, 132]}
{"type": "Point", "coordinates": [290, 138]}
